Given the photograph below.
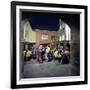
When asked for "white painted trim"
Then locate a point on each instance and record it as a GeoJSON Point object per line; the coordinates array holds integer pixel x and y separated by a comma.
{"type": "Point", "coordinates": [52, 79]}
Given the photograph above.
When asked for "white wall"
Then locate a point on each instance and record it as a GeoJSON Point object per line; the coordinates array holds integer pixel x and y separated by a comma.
{"type": "Point", "coordinates": [31, 35]}
{"type": "Point", "coordinates": [5, 44]}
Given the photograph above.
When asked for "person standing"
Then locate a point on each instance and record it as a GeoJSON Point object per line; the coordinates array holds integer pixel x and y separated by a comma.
{"type": "Point", "coordinates": [34, 52]}
{"type": "Point", "coordinates": [43, 53]}
{"type": "Point", "coordinates": [40, 54]}
{"type": "Point", "coordinates": [56, 54]}
{"type": "Point", "coordinates": [47, 52]}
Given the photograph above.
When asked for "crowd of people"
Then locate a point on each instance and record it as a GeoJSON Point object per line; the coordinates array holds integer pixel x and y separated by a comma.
{"type": "Point", "coordinates": [59, 53]}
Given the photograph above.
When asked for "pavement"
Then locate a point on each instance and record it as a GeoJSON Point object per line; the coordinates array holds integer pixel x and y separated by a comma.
{"type": "Point", "coordinates": [46, 69]}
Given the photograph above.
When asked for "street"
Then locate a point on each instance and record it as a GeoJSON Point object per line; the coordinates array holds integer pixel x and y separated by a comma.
{"type": "Point", "coordinates": [46, 69]}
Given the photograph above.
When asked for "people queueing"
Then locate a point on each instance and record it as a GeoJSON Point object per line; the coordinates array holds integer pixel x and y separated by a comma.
{"type": "Point", "coordinates": [42, 53]}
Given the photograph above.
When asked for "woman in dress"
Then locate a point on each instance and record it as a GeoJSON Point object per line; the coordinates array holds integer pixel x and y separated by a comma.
{"type": "Point", "coordinates": [40, 54]}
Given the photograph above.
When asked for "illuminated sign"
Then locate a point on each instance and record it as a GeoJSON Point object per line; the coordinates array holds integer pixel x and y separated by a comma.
{"type": "Point", "coordinates": [44, 36]}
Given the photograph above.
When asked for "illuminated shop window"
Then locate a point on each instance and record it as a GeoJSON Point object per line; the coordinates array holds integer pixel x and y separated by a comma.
{"type": "Point", "coordinates": [44, 36]}
{"type": "Point", "coordinates": [60, 38]}
{"type": "Point", "coordinates": [65, 32]}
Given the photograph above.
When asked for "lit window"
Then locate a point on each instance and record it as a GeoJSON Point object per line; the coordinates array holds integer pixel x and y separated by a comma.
{"type": "Point", "coordinates": [67, 32]}
{"type": "Point", "coordinates": [44, 37]}
{"type": "Point", "coordinates": [63, 37]}
{"type": "Point", "coordinates": [60, 39]}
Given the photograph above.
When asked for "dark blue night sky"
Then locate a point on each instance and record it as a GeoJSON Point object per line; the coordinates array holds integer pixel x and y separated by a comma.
{"type": "Point", "coordinates": [44, 22]}
{"type": "Point", "coordinates": [48, 20]}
